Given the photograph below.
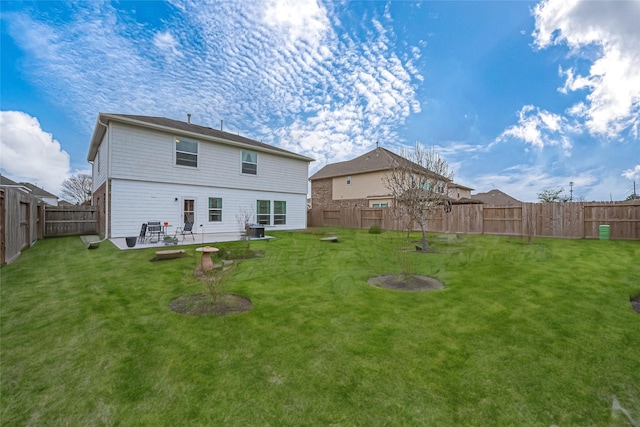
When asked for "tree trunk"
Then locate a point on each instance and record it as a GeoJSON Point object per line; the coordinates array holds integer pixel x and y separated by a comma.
{"type": "Point", "coordinates": [425, 244]}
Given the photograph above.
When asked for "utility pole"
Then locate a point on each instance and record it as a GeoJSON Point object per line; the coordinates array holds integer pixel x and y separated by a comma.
{"type": "Point", "coordinates": [571, 191]}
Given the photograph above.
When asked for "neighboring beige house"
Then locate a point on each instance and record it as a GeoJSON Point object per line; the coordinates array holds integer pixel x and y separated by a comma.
{"type": "Point", "coordinates": [458, 191]}
{"type": "Point", "coordinates": [496, 198]}
{"type": "Point", "coordinates": [357, 182]}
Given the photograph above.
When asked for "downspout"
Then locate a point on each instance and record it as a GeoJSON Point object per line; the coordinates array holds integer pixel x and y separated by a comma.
{"type": "Point", "coordinates": [107, 201]}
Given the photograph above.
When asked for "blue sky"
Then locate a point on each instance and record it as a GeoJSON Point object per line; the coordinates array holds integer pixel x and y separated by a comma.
{"type": "Point", "coordinates": [521, 96]}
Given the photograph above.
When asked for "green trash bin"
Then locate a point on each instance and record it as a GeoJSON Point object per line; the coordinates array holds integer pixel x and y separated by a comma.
{"type": "Point", "coordinates": [604, 232]}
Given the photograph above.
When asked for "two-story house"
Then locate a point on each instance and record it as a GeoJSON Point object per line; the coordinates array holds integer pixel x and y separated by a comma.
{"type": "Point", "coordinates": [153, 168]}
{"type": "Point", "coordinates": [358, 182]}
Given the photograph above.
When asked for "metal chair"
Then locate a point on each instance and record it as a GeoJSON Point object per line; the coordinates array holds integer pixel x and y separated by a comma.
{"type": "Point", "coordinates": [154, 229]}
{"type": "Point", "coordinates": [188, 228]}
{"type": "Point", "coordinates": [143, 233]}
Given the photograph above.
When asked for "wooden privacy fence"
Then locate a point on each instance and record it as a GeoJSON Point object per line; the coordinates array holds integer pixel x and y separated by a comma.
{"type": "Point", "coordinates": [20, 222]}
{"type": "Point", "coordinates": [570, 220]}
{"type": "Point", "coordinates": [70, 220]}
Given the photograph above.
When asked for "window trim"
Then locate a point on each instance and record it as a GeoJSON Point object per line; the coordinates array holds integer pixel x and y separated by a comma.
{"type": "Point", "coordinates": [282, 215]}
{"type": "Point", "coordinates": [211, 210]}
{"type": "Point", "coordinates": [176, 141]}
{"type": "Point", "coordinates": [243, 162]}
{"type": "Point", "coordinates": [264, 216]}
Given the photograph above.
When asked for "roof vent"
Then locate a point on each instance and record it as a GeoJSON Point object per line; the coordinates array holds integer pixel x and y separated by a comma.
{"type": "Point", "coordinates": [189, 118]}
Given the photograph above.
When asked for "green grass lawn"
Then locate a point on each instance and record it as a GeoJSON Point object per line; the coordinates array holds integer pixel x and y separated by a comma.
{"type": "Point", "coordinates": [523, 335]}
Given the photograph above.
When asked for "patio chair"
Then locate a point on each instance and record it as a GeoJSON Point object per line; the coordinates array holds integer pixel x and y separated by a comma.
{"type": "Point", "coordinates": [188, 228]}
{"type": "Point", "coordinates": [154, 229]}
{"type": "Point", "coordinates": [143, 233]}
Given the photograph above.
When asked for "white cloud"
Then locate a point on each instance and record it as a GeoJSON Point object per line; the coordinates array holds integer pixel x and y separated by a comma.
{"type": "Point", "coordinates": [29, 154]}
{"type": "Point", "coordinates": [524, 182]}
{"type": "Point", "coordinates": [272, 70]}
{"type": "Point", "coordinates": [613, 102]}
{"type": "Point", "coordinates": [167, 44]}
{"type": "Point", "coordinates": [540, 128]}
{"type": "Point", "coordinates": [459, 149]}
{"type": "Point", "coordinates": [300, 20]}
{"type": "Point", "coordinates": [632, 174]}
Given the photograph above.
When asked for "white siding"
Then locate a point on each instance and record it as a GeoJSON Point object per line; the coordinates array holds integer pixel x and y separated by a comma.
{"type": "Point", "coordinates": [53, 201]}
{"type": "Point", "coordinates": [136, 202]}
{"type": "Point", "coordinates": [99, 169]}
{"type": "Point", "coordinates": [147, 155]}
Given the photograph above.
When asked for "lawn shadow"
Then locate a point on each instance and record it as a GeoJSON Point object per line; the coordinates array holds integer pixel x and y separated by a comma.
{"type": "Point", "coordinates": [407, 282]}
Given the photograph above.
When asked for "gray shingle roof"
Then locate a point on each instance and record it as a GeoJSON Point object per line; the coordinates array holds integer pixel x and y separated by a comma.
{"type": "Point", "coordinates": [463, 187]}
{"type": "Point", "coordinates": [37, 191]}
{"type": "Point", "coordinates": [186, 128]}
{"type": "Point", "coordinates": [496, 198]}
{"type": "Point", "coordinates": [6, 181]}
{"type": "Point", "coordinates": [378, 159]}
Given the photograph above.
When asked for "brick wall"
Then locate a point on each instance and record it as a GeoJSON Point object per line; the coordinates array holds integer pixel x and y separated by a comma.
{"type": "Point", "coordinates": [321, 193]}
{"type": "Point", "coordinates": [99, 200]}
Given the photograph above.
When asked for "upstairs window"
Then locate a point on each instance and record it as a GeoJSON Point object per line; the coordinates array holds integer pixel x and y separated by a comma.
{"type": "Point", "coordinates": [263, 212]}
{"type": "Point", "coordinates": [279, 212]}
{"type": "Point", "coordinates": [349, 180]}
{"type": "Point", "coordinates": [215, 209]}
{"type": "Point", "coordinates": [249, 162]}
{"type": "Point", "coordinates": [186, 152]}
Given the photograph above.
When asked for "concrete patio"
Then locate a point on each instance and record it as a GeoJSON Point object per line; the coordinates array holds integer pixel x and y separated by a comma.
{"type": "Point", "coordinates": [199, 239]}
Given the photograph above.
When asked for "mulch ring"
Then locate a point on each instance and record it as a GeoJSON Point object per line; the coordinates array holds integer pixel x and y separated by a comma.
{"type": "Point", "coordinates": [203, 304]}
{"type": "Point", "coordinates": [410, 283]}
{"type": "Point", "coordinates": [635, 303]}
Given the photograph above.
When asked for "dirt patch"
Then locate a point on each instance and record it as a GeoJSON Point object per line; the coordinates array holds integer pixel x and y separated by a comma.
{"type": "Point", "coordinates": [635, 304]}
{"type": "Point", "coordinates": [203, 304]}
{"type": "Point", "coordinates": [410, 283]}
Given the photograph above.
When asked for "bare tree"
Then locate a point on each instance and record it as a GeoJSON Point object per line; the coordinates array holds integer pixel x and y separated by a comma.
{"type": "Point", "coordinates": [78, 188]}
{"type": "Point", "coordinates": [243, 217]}
{"type": "Point", "coordinates": [418, 184]}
